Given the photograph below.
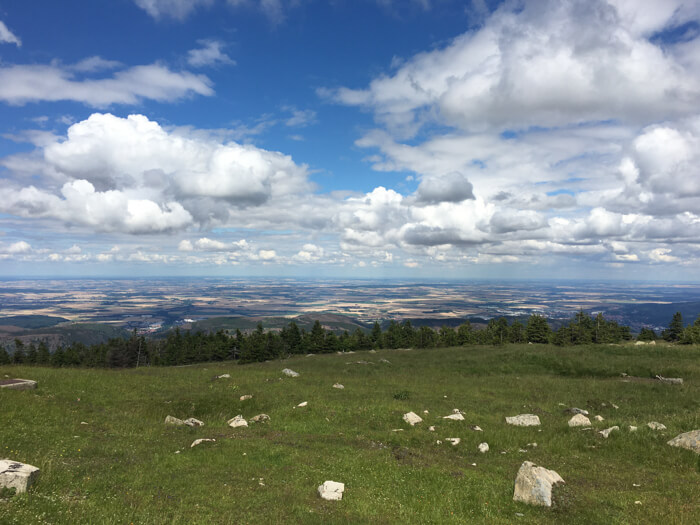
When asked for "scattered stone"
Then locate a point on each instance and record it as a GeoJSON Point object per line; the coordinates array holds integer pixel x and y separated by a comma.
{"type": "Point", "coordinates": [16, 475]}
{"type": "Point", "coordinates": [604, 404]}
{"type": "Point", "coordinates": [688, 440]}
{"type": "Point", "coordinates": [605, 433]}
{"type": "Point", "coordinates": [614, 406]}
{"type": "Point", "coordinates": [238, 421]}
{"type": "Point", "coordinates": [522, 450]}
{"type": "Point", "coordinates": [473, 464]}
{"type": "Point", "coordinates": [519, 514]}
{"type": "Point", "coordinates": [18, 384]}
{"type": "Point", "coordinates": [533, 445]}
{"type": "Point", "coordinates": [192, 422]}
{"type": "Point", "coordinates": [170, 420]}
{"type": "Point", "coordinates": [623, 374]}
{"type": "Point", "coordinates": [636, 485]}
{"type": "Point", "coordinates": [290, 373]}
{"type": "Point", "coordinates": [599, 418]}
{"type": "Point", "coordinates": [338, 386]}
{"type": "Point", "coordinates": [637, 502]}
{"type": "Point", "coordinates": [670, 380]}
{"type": "Point", "coordinates": [309, 355]}
{"type": "Point", "coordinates": [639, 343]}
{"type": "Point", "coordinates": [533, 484]}
{"type": "Point", "coordinates": [177, 452]}
{"type": "Point", "coordinates": [198, 441]}
{"type": "Point", "coordinates": [476, 428]}
{"type": "Point", "coordinates": [331, 490]}
{"type": "Point", "coordinates": [384, 361]}
{"type": "Point", "coordinates": [633, 428]}
{"type": "Point", "coordinates": [455, 417]}
{"type": "Point", "coordinates": [524, 420]}
{"type": "Point", "coordinates": [398, 430]}
{"type": "Point", "coordinates": [303, 404]}
{"type": "Point", "coordinates": [426, 412]}
{"type": "Point", "coordinates": [575, 410]}
{"type": "Point", "coordinates": [362, 362]}
{"type": "Point", "coordinates": [454, 441]}
{"type": "Point", "coordinates": [350, 352]}
{"type": "Point", "coordinates": [412, 418]}
{"type": "Point", "coordinates": [483, 448]}
{"type": "Point", "coordinates": [260, 418]}
{"type": "Point", "coordinates": [373, 351]}
{"type": "Point", "coordinates": [439, 442]}
{"type": "Point", "coordinates": [84, 423]}
{"type": "Point", "coordinates": [579, 420]}
{"type": "Point", "coordinates": [431, 429]}
{"type": "Point", "coordinates": [246, 397]}
{"type": "Point", "coordinates": [655, 425]}
{"type": "Point", "coordinates": [224, 376]}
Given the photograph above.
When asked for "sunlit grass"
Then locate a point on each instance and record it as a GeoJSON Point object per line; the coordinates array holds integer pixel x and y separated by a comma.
{"type": "Point", "coordinates": [121, 466]}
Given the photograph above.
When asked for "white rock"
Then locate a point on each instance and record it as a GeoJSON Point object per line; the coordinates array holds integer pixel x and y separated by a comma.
{"type": "Point", "coordinates": [670, 380]}
{"type": "Point", "coordinates": [688, 440]}
{"type": "Point", "coordinates": [290, 373]}
{"type": "Point", "coordinates": [455, 417]}
{"type": "Point", "coordinates": [19, 384]}
{"type": "Point", "coordinates": [303, 404]}
{"type": "Point", "coordinates": [19, 476]}
{"type": "Point", "coordinates": [432, 429]}
{"type": "Point", "coordinates": [84, 423]}
{"type": "Point", "coordinates": [483, 448]}
{"type": "Point", "coordinates": [579, 420]}
{"type": "Point", "coordinates": [373, 351]}
{"type": "Point", "coordinates": [533, 484]}
{"type": "Point", "coordinates": [260, 418]}
{"type": "Point", "coordinates": [170, 420]}
{"type": "Point", "coordinates": [238, 421]}
{"type": "Point", "coordinates": [633, 428]}
{"type": "Point", "coordinates": [599, 418]}
{"type": "Point", "coordinates": [384, 361]}
{"type": "Point", "coordinates": [426, 412]}
{"type": "Point", "coordinates": [192, 422]}
{"type": "Point", "coordinates": [614, 406]}
{"type": "Point", "coordinates": [198, 441]}
{"type": "Point", "coordinates": [439, 442]}
{"type": "Point", "coordinates": [454, 441]}
{"type": "Point", "coordinates": [246, 397]}
{"type": "Point", "coordinates": [476, 428]}
{"type": "Point", "coordinates": [655, 425]}
{"type": "Point", "coordinates": [605, 433]}
{"type": "Point", "coordinates": [331, 490]}
{"type": "Point", "coordinates": [223, 376]}
{"type": "Point", "coordinates": [338, 386]}
{"type": "Point", "coordinates": [412, 418]}
{"type": "Point", "coordinates": [524, 420]}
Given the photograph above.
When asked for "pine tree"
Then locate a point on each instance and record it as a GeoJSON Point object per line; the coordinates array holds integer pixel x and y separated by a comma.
{"type": "Point", "coordinates": [537, 330]}
{"type": "Point", "coordinates": [675, 328]}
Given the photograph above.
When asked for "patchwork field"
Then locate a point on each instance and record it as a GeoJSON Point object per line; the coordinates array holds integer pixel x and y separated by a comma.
{"type": "Point", "coordinates": [106, 455]}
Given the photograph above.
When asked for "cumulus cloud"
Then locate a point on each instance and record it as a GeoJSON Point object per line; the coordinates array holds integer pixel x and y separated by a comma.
{"type": "Point", "coordinates": [545, 63]}
{"type": "Point", "coordinates": [7, 36]}
{"type": "Point", "coordinates": [177, 9]}
{"type": "Point", "coordinates": [21, 84]}
{"type": "Point", "coordinates": [453, 187]}
{"type": "Point", "coordinates": [210, 54]}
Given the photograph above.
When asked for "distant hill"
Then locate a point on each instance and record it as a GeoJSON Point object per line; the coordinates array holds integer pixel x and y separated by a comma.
{"type": "Point", "coordinates": [335, 322]}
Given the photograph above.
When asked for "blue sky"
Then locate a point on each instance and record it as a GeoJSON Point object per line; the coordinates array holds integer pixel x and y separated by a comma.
{"type": "Point", "coordinates": [414, 138]}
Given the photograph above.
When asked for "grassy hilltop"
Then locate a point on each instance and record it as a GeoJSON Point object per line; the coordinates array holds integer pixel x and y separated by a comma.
{"type": "Point", "coordinates": [121, 467]}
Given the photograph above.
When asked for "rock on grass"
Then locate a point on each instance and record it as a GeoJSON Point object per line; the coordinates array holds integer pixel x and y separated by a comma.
{"type": "Point", "coordinates": [533, 484]}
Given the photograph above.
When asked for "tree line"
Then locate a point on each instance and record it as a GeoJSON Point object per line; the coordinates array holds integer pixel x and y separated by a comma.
{"type": "Point", "coordinates": [186, 347]}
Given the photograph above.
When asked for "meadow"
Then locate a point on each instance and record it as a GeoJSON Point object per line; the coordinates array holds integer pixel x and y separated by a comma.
{"type": "Point", "coordinates": [106, 455]}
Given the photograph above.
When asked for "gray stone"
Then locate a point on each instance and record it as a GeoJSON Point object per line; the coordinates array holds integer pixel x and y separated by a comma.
{"type": "Point", "coordinates": [574, 410]}
{"type": "Point", "coordinates": [224, 376]}
{"type": "Point", "coordinates": [412, 418]}
{"type": "Point", "coordinates": [579, 420]}
{"type": "Point", "coordinates": [170, 420]}
{"type": "Point", "coordinates": [331, 490]}
{"type": "Point", "coordinates": [192, 422]}
{"type": "Point", "coordinates": [246, 397]}
{"type": "Point", "coordinates": [198, 441]}
{"type": "Point", "coordinates": [655, 425]}
{"type": "Point", "coordinates": [599, 418]}
{"type": "Point", "coordinates": [605, 433]}
{"type": "Point", "coordinates": [688, 440]}
{"type": "Point", "coordinates": [533, 484]}
{"type": "Point", "coordinates": [18, 384]}
{"type": "Point", "coordinates": [290, 373]}
{"type": "Point", "coordinates": [238, 421]}
{"type": "Point", "coordinates": [455, 417]}
{"type": "Point", "coordinates": [19, 476]}
{"type": "Point", "coordinates": [260, 418]}
{"type": "Point", "coordinates": [524, 420]}
{"type": "Point", "coordinates": [338, 386]}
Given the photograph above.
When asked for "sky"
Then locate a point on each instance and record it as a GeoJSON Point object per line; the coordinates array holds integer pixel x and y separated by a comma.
{"type": "Point", "coordinates": [351, 138]}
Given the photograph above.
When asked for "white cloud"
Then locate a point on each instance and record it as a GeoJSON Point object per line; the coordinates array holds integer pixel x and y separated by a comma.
{"type": "Point", "coordinates": [267, 255]}
{"type": "Point", "coordinates": [177, 9]}
{"type": "Point", "coordinates": [662, 255]}
{"type": "Point", "coordinates": [20, 84]}
{"type": "Point", "coordinates": [18, 247]}
{"type": "Point", "coordinates": [185, 246]}
{"type": "Point", "coordinates": [209, 54]}
{"type": "Point", "coordinates": [7, 36]}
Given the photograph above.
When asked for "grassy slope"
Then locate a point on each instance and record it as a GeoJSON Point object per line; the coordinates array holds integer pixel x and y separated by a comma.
{"type": "Point", "coordinates": [122, 466]}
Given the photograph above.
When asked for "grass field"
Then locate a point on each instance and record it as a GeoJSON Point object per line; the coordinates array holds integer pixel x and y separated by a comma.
{"type": "Point", "coordinates": [121, 467]}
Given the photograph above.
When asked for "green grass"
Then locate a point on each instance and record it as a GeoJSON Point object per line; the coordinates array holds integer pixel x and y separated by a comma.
{"type": "Point", "coordinates": [122, 466]}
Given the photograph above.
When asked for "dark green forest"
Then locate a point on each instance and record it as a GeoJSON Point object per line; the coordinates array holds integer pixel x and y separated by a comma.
{"type": "Point", "coordinates": [185, 347]}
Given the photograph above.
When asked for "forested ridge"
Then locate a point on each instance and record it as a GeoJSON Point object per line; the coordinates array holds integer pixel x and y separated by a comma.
{"type": "Point", "coordinates": [182, 347]}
